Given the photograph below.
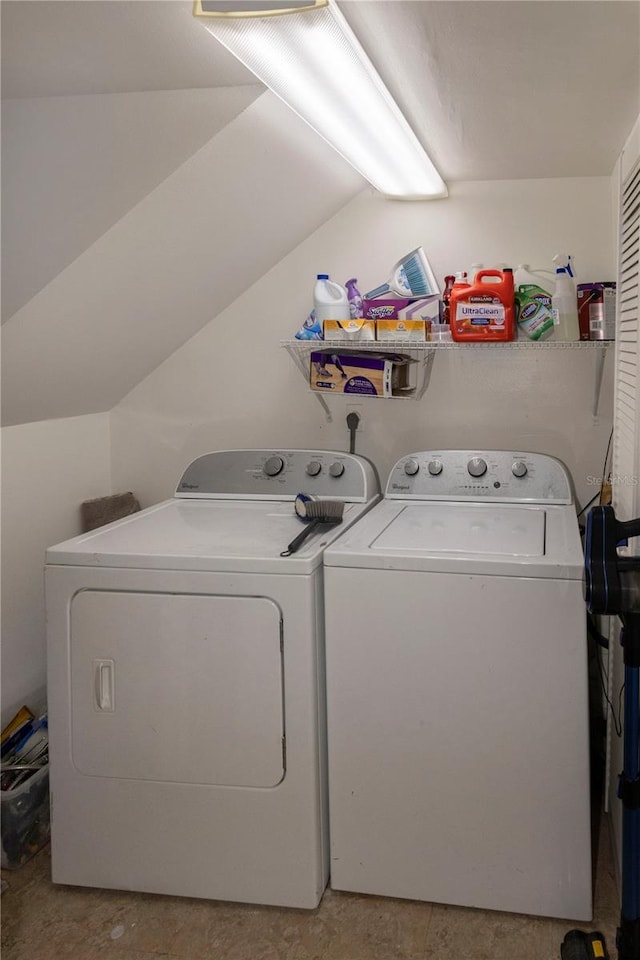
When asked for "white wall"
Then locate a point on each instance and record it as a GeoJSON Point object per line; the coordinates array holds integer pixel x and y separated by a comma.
{"type": "Point", "coordinates": [232, 385]}
{"type": "Point", "coordinates": [73, 166]}
{"type": "Point", "coordinates": [174, 260]}
{"type": "Point", "coordinates": [48, 469]}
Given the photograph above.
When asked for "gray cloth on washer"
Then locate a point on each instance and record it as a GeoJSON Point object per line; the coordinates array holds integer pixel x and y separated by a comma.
{"type": "Point", "coordinates": [95, 513]}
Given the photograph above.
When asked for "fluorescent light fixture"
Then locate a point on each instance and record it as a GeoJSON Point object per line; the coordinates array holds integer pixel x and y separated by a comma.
{"type": "Point", "coordinates": [306, 52]}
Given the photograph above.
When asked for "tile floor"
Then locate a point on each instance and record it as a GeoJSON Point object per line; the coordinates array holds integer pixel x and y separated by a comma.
{"type": "Point", "coordinates": [43, 921]}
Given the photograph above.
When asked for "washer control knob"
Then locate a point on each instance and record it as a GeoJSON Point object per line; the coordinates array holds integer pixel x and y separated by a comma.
{"type": "Point", "coordinates": [477, 467]}
{"type": "Point", "coordinates": [313, 468]}
{"type": "Point", "coordinates": [411, 467]}
{"type": "Point", "coordinates": [435, 467]}
{"type": "Point", "coordinates": [519, 468]}
{"type": "Point", "coordinates": [274, 466]}
{"type": "Point", "coordinates": [336, 469]}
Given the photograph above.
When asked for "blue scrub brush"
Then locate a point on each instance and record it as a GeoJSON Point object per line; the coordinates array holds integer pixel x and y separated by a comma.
{"type": "Point", "coordinates": [320, 513]}
{"type": "Point", "coordinates": [411, 276]}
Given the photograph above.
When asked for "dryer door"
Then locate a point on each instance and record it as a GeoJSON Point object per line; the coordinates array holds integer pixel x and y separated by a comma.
{"type": "Point", "coordinates": [177, 687]}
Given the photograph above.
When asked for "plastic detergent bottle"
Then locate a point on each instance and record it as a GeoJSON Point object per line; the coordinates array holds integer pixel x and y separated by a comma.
{"type": "Point", "coordinates": [483, 311]}
{"type": "Point", "coordinates": [355, 300]}
{"type": "Point", "coordinates": [330, 300]}
{"type": "Point", "coordinates": [565, 301]}
{"type": "Point", "coordinates": [533, 291]}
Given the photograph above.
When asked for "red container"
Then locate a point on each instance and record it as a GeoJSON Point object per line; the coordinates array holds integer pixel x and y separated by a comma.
{"type": "Point", "coordinates": [484, 311]}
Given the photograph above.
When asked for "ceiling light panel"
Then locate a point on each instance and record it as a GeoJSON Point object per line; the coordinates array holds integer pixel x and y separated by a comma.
{"type": "Point", "coordinates": [313, 61]}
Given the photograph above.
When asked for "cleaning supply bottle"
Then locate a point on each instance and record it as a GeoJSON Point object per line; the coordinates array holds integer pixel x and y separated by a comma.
{"type": "Point", "coordinates": [483, 311]}
{"type": "Point", "coordinates": [461, 279]}
{"type": "Point", "coordinates": [355, 299]}
{"type": "Point", "coordinates": [442, 329]}
{"type": "Point", "coordinates": [565, 301]}
{"type": "Point", "coordinates": [444, 305]}
{"type": "Point", "coordinates": [533, 292]}
{"type": "Point", "coordinates": [330, 300]}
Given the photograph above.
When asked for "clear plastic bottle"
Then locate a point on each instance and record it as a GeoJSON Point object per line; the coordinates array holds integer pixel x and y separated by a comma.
{"type": "Point", "coordinates": [565, 303]}
{"type": "Point", "coordinates": [330, 300]}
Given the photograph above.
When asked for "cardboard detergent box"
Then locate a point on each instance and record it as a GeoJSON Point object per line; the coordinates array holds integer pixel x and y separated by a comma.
{"type": "Point", "coordinates": [412, 331]}
{"type": "Point", "coordinates": [356, 329]}
{"type": "Point", "coordinates": [372, 374]}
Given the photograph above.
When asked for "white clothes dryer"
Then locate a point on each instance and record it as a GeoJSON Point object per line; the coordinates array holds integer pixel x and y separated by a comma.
{"type": "Point", "coordinates": [187, 689]}
{"type": "Point", "coordinates": [457, 689]}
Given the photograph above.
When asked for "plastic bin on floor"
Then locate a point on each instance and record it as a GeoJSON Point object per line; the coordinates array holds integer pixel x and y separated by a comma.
{"type": "Point", "coordinates": [25, 819]}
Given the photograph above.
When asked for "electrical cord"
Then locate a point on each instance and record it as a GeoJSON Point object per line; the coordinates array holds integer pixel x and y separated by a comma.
{"type": "Point", "coordinates": [604, 682]}
{"type": "Point", "coordinates": [352, 423]}
{"type": "Point", "coordinates": [602, 641]}
{"type": "Point", "coordinates": [604, 477]}
{"type": "Point", "coordinates": [592, 628]}
{"type": "Point", "coordinates": [599, 638]}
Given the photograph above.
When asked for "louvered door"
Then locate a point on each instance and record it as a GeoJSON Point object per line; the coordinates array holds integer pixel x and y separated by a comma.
{"type": "Point", "coordinates": [626, 438]}
{"type": "Point", "coordinates": [625, 466]}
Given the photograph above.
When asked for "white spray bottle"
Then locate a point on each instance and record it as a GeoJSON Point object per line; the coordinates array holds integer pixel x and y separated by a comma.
{"type": "Point", "coordinates": [565, 300]}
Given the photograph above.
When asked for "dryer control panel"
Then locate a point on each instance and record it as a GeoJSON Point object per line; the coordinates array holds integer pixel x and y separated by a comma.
{"type": "Point", "coordinates": [280, 475]}
{"type": "Point", "coordinates": [486, 475]}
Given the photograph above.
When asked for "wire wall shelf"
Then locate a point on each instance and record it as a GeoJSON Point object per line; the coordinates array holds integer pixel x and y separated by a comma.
{"type": "Point", "coordinates": [423, 354]}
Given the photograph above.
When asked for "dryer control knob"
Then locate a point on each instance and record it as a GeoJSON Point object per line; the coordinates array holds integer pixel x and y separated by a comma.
{"type": "Point", "coordinates": [273, 466]}
{"type": "Point", "coordinates": [411, 467]}
{"type": "Point", "coordinates": [313, 468]}
{"type": "Point", "coordinates": [435, 467]}
{"type": "Point", "coordinates": [336, 469]}
{"type": "Point", "coordinates": [477, 467]}
{"type": "Point", "coordinates": [519, 469]}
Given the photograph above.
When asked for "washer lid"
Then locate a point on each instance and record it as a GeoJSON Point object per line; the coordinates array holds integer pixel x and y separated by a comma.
{"type": "Point", "coordinates": [507, 540]}
{"type": "Point", "coordinates": [211, 535]}
{"type": "Point", "coordinates": [462, 529]}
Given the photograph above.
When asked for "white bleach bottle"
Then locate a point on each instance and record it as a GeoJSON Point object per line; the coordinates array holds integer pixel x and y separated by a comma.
{"type": "Point", "coordinates": [330, 300]}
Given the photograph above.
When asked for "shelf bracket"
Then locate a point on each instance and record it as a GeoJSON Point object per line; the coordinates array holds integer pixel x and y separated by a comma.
{"type": "Point", "coordinates": [597, 386]}
{"type": "Point", "coordinates": [426, 362]}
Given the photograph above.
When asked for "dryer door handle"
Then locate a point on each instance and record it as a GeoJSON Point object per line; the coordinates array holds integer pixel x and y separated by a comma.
{"type": "Point", "coordinates": [104, 685]}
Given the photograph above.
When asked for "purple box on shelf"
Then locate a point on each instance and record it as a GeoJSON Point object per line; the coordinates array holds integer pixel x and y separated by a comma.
{"type": "Point", "coordinates": [372, 374]}
{"type": "Point", "coordinates": [385, 308]}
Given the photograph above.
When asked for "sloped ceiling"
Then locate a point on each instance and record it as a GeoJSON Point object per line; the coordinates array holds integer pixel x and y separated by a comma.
{"type": "Point", "coordinates": [54, 48]}
{"type": "Point", "coordinates": [148, 180]}
{"type": "Point", "coordinates": [171, 264]}
{"type": "Point", "coordinates": [72, 166]}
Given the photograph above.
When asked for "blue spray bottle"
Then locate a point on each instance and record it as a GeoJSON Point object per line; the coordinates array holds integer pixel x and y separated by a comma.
{"type": "Point", "coordinates": [355, 299]}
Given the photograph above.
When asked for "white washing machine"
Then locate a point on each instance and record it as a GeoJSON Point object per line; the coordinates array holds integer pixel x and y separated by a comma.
{"type": "Point", "coordinates": [187, 689]}
{"type": "Point", "coordinates": [457, 689]}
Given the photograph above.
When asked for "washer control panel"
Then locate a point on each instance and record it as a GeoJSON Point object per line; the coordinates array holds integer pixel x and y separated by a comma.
{"type": "Point", "coordinates": [279, 475]}
{"type": "Point", "coordinates": [493, 475]}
